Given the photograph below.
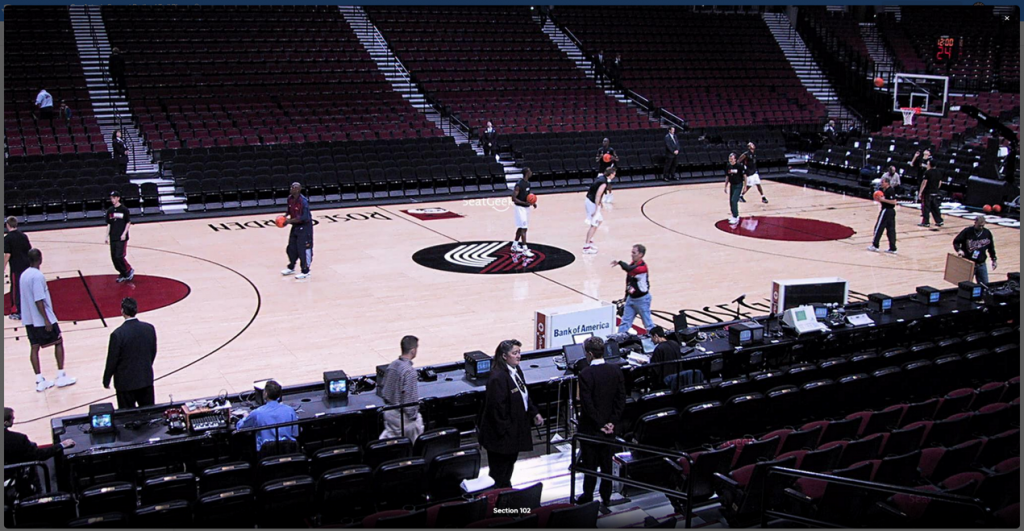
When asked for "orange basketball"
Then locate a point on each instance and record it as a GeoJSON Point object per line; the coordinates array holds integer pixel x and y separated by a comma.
{"type": "Point", "coordinates": [987, 208]}
{"type": "Point", "coordinates": [879, 82]}
{"type": "Point", "coordinates": [997, 208]}
{"type": "Point", "coordinates": [607, 157]}
{"type": "Point", "coordinates": [281, 221]}
{"type": "Point", "coordinates": [879, 195]}
{"type": "Point", "coordinates": [532, 199]}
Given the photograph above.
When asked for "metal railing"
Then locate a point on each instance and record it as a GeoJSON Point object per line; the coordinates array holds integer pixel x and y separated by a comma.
{"type": "Point", "coordinates": [575, 468]}
{"type": "Point", "coordinates": [778, 473]}
{"type": "Point", "coordinates": [9, 470]}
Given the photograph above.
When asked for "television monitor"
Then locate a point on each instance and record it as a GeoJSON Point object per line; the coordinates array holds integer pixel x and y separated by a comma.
{"type": "Point", "coordinates": [101, 418]}
{"type": "Point", "coordinates": [336, 384]}
{"type": "Point", "coordinates": [580, 338]}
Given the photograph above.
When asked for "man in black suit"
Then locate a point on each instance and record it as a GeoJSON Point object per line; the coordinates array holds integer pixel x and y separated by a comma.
{"type": "Point", "coordinates": [603, 397]}
{"type": "Point", "coordinates": [489, 140]}
{"type": "Point", "coordinates": [671, 152]}
{"type": "Point", "coordinates": [130, 359]}
{"type": "Point", "coordinates": [25, 482]}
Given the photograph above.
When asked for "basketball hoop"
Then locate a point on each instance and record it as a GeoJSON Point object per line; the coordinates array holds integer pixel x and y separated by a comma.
{"type": "Point", "coordinates": [908, 114]}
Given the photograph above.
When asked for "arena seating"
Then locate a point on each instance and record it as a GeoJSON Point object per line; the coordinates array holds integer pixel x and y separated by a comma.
{"type": "Point", "coordinates": [684, 62]}
{"type": "Point", "coordinates": [901, 45]}
{"type": "Point", "coordinates": [219, 76]}
{"type": "Point", "coordinates": [840, 25]}
{"type": "Point", "coordinates": [58, 189]}
{"type": "Point", "coordinates": [980, 62]}
{"type": "Point", "coordinates": [937, 130]}
{"type": "Point", "coordinates": [570, 159]}
{"type": "Point", "coordinates": [248, 176]}
{"type": "Point", "coordinates": [41, 53]}
{"type": "Point", "coordinates": [496, 64]}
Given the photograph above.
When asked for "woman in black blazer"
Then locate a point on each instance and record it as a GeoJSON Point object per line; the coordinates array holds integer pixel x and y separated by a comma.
{"type": "Point", "coordinates": [508, 412]}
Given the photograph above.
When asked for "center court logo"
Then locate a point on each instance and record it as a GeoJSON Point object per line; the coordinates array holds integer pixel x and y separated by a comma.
{"type": "Point", "coordinates": [492, 258]}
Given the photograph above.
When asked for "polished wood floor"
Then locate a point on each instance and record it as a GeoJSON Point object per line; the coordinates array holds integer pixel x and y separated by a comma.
{"type": "Point", "coordinates": [243, 321]}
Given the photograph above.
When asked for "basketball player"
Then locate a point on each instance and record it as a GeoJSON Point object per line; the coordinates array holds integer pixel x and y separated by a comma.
{"type": "Point", "coordinates": [119, 222]}
{"type": "Point", "coordinates": [300, 241]}
{"type": "Point", "coordinates": [734, 187]}
{"type": "Point", "coordinates": [886, 218]}
{"type": "Point", "coordinates": [595, 195]}
{"type": "Point", "coordinates": [602, 166]}
{"type": "Point", "coordinates": [522, 208]}
{"type": "Point", "coordinates": [41, 322]}
{"type": "Point", "coordinates": [929, 194]}
{"type": "Point", "coordinates": [749, 159]}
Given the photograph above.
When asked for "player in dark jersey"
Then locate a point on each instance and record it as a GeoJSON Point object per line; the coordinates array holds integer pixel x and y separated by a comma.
{"type": "Point", "coordinates": [749, 160]}
{"type": "Point", "coordinates": [593, 205]}
{"type": "Point", "coordinates": [16, 248]}
{"type": "Point", "coordinates": [522, 210]}
{"type": "Point", "coordinates": [602, 166]}
{"type": "Point", "coordinates": [734, 187]}
{"type": "Point", "coordinates": [300, 241]}
{"type": "Point", "coordinates": [886, 218]}
{"type": "Point", "coordinates": [119, 222]}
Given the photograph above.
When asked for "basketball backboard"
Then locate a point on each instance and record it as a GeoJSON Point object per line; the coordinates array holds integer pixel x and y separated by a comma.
{"type": "Point", "coordinates": [929, 93]}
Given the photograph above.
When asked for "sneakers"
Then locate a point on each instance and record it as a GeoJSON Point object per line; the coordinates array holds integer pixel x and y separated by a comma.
{"type": "Point", "coordinates": [287, 272]}
{"type": "Point", "coordinates": [302, 276]}
{"type": "Point", "coordinates": [733, 221]}
{"type": "Point", "coordinates": [526, 251]}
{"type": "Point", "coordinates": [925, 225]}
{"type": "Point", "coordinates": [873, 249]}
{"type": "Point", "coordinates": [64, 381]}
{"type": "Point", "coordinates": [891, 251]}
{"type": "Point", "coordinates": [589, 249]}
{"type": "Point", "coordinates": [14, 317]}
{"type": "Point", "coordinates": [120, 279]}
{"type": "Point", "coordinates": [42, 384]}
{"type": "Point", "coordinates": [516, 247]}
{"type": "Point", "coordinates": [130, 277]}
{"type": "Point", "coordinates": [764, 199]}
{"type": "Point", "coordinates": [743, 199]}
{"type": "Point", "coordinates": [939, 224]}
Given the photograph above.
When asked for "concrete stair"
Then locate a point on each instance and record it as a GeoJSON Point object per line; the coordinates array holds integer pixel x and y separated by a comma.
{"type": "Point", "coordinates": [398, 76]}
{"type": "Point", "coordinates": [806, 68]}
{"type": "Point", "coordinates": [569, 48]}
{"type": "Point", "coordinates": [878, 51]}
{"type": "Point", "coordinates": [111, 109]}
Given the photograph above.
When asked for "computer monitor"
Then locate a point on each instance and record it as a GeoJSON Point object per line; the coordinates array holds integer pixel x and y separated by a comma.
{"type": "Point", "coordinates": [820, 312]}
{"type": "Point", "coordinates": [578, 339]}
{"type": "Point", "coordinates": [575, 356]}
{"type": "Point", "coordinates": [648, 345]}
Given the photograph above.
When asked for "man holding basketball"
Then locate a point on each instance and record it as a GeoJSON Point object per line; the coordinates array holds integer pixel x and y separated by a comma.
{"type": "Point", "coordinates": [606, 158]}
{"type": "Point", "coordinates": [300, 241]}
{"type": "Point", "coordinates": [521, 198]}
{"type": "Point", "coordinates": [886, 216]}
{"type": "Point", "coordinates": [749, 159]}
{"type": "Point", "coordinates": [593, 204]}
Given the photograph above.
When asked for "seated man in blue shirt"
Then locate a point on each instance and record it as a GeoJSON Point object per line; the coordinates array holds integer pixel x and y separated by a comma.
{"type": "Point", "coordinates": [271, 413]}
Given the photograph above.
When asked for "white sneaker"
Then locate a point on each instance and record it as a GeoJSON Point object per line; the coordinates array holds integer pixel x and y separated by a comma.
{"type": "Point", "coordinates": [590, 249]}
{"type": "Point", "coordinates": [891, 252]}
{"type": "Point", "coordinates": [64, 381]}
{"type": "Point", "coordinates": [42, 385]}
{"type": "Point", "coordinates": [873, 249]}
{"type": "Point", "coordinates": [302, 276]}
{"type": "Point", "coordinates": [733, 221]}
{"type": "Point", "coordinates": [526, 252]}
{"type": "Point", "coordinates": [516, 248]}
{"type": "Point", "coordinates": [608, 199]}
{"type": "Point", "coordinates": [287, 272]}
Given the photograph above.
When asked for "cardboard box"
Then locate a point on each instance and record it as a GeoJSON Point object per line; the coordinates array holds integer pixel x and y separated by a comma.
{"type": "Point", "coordinates": [958, 269]}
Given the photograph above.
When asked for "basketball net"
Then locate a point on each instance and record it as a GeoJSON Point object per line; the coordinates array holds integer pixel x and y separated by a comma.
{"type": "Point", "coordinates": [908, 114]}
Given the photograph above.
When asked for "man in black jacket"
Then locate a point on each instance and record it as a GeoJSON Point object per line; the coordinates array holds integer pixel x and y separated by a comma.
{"type": "Point", "coordinates": [18, 449]}
{"type": "Point", "coordinates": [671, 152]}
{"type": "Point", "coordinates": [130, 359]}
{"type": "Point", "coordinates": [116, 68]}
{"type": "Point", "coordinates": [489, 140]}
{"type": "Point", "coordinates": [16, 248]}
{"type": "Point", "coordinates": [977, 244]}
{"type": "Point", "coordinates": [603, 397]}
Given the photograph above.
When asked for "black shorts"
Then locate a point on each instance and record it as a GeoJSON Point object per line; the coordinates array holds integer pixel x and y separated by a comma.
{"type": "Point", "coordinates": [37, 335]}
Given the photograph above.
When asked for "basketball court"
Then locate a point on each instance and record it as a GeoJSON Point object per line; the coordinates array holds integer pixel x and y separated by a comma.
{"type": "Point", "coordinates": [225, 316]}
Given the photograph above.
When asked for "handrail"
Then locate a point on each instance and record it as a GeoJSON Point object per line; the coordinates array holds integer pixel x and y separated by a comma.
{"type": "Point", "coordinates": [30, 464]}
{"type": "Point", "coordinates": [779, 471]}
{"type": "Point", "coordinates": [575, 467]}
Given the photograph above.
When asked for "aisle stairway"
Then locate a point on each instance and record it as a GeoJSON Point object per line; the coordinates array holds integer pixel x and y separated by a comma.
{"type": "Point", "coordinates": [398, 76]}
{"type": "Point", "coordinates": [806, 69]}
{"type": "Point", "coordinates": [111, 109]}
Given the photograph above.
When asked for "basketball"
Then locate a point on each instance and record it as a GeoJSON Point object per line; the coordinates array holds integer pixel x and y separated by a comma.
{"type": "Point", "coordinates": [532, 199]}
{"type": "Point", "coordinates": [879, 82]}
{"type": "Point", "coordinates": [997, 208]}
{"type": "Point", "coordinates": [607, 157]}
{"type": "Point", "coordinates": [987, 208]}
{"type": "Point", "coordinates": [281, 221]}
{"type": "Point", "coordinates": [879, 195]}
